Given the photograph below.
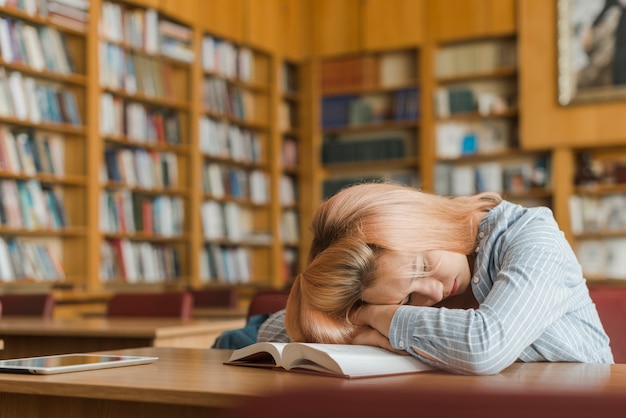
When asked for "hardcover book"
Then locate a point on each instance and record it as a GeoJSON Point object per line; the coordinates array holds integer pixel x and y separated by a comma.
{"type": "Point", "coordinates": [339, 360]}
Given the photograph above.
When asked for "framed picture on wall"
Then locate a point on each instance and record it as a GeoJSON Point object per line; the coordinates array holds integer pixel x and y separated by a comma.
{"type": "Point", "coordinates": [591, 46]}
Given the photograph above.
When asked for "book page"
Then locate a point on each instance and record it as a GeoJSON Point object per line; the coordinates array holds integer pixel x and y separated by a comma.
{"type": "Point", "coordinates": [264, 354]}
{"type": "Point", "coordinates": [349, 360]}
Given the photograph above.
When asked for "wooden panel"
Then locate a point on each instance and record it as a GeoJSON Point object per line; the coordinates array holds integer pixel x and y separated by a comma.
{"type": "Point", "coordinates": [336, 27]}
{"type": "Point", "coordinates": [545, 122]}
{"type": "Point", "coordinates": [297, 25]}
{"type": "Point", "coordinates": [184, 11]}
{"type": "Point", "coordinates": [502, 17]}
{"type": "Point", "coordinates": [391, 26]}
{"type": "Point", "coordinates": [262, 26]}
{"type": "Point", "coordinates": [457, 19]}
{"type": "Point", "coordinates": [146, 3]}
{"type": "Point", "coordinates": [222, 18]}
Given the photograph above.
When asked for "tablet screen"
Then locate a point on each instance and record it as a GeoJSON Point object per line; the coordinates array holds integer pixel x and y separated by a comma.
{"type": "Point", "coordinates": [69, 363]}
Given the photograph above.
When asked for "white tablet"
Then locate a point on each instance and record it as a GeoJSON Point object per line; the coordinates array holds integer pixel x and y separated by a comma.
{"type": "Point", "coordinates": [65, 363]}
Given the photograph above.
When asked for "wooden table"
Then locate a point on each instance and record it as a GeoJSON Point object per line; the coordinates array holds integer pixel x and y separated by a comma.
{"type": "Point", "coordinates": [25, 337]}
{"type": "Point", "coordinates": [193, 382]}
{"type": "Point", "coordinates": [216, 313]}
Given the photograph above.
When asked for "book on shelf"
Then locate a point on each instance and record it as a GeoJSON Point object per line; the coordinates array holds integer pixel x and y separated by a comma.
{"type": "Point", "coordinates": [339, 360]}
{"type": "Point", "coordinates": [397, 69]}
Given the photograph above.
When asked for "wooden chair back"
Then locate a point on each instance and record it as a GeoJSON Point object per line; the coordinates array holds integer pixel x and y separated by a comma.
{"type": "Point", "coordinates": [267, 302]}
{"type": "Point", "coordinates": [163, 304]}
{"type": "Point", "coordinates": [218, 297]}
{"type": "Point", "coordinates": [27, 304]}
{"type": "Point", "coordinates": [611, 305]}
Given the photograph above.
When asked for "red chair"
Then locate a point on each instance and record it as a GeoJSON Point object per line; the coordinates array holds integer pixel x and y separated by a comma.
{"type": "Point", "coordinates": [375, 401]}
{"type": "Point", "coordinates": [166, 304]}
{"type": "Point", "coordinates": [267, 302]}
{"type": "Point", "coordinates": [218, 297]}
{"type": "Point", "coordinates": [27, 304]}
{"type": "Point", "coordinates": [611, 305]}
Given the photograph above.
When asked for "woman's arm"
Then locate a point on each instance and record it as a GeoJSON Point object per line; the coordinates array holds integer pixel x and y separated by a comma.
{"type": "Point", "coordinates": [530, 267]}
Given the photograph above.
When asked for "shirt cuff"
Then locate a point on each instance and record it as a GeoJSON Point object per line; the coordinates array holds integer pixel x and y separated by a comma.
{"type": "Point", "coordinates": [402, 326]}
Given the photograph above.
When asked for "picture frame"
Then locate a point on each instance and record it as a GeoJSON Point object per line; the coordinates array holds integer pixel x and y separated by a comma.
{"type": "Point", "coordinates": [591, 64]}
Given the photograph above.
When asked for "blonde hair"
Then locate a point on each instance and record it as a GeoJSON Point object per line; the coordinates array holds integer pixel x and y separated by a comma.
{"type": "Point", "coordinates": [351, 228]}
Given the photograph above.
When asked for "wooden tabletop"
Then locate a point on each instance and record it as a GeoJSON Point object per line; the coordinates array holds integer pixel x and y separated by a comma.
{"type": "Point", "coordinates": [113, 327]}
{"type": "Point", "coordinates": [238, 312]}
{"type": "Point", "coordinates": [197, 377]}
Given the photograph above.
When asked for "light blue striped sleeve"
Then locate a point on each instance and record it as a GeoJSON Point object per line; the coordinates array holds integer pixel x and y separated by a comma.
{"type": "Point", "coordinates": [273, 329]}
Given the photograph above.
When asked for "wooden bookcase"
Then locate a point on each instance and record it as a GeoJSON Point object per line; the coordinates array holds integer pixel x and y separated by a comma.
{"type": "Point", "coordinates": [145, 126]}
{"type": "Point", "coordinates": [415, 32]}
{"type": "Point", "coordinates": [44, 143]}
{"type": "Point", "coordinates": [596, 208]}
{"type": "Point", "coordinates": [369, 118]}
{"type": "Point", "coordinates": [291, 173]}
{"type": "Point", "coordinates": [235, 141]}
{"type": "Point", "coordinates": [476, 111]}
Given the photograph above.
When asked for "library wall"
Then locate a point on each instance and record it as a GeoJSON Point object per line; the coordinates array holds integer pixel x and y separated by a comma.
{"type": "Point", "coordinates": [545, 121]}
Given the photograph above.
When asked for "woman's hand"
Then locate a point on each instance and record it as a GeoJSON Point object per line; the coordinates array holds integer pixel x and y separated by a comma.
{"type": "Point", "coordinates": [374, 321]}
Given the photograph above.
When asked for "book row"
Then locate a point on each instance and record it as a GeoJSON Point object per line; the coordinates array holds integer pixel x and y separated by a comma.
{"type": "Point", "coordinates": [226, 59]}
{"type": "Point", "coordinates": [513, 177]}
{"type": "Point", "coordinates": [47, 7]}
{"type": "Point", "coordinates": [138, 262]}
{"type": "Point", "coordinates": [369, 71]}
{"type": "Point", "coordinates": [30, 204]}
{"type": "Point", "coordinates": [122, 211]}
{"type": "Point", "coordinates": [134, 73]}
{"type": "Point", "coordinates": [221, 181]}
{"type": "Point", "coordinates": [287, 190]}
{"type": "Point", "coordinates": [221, 139]}
{"type": "Point", "coordinates": [336, 151]}
{"type": "Point", "coordinates": [222, 98]}
{"type": "Point", "coordinates": [352, 110]}
{"type": "Point", "coordinates": [22, 260]}
{"type": "Point", "coordinates": [290, 153]}
{"type": "Point", "coordinates": [28, 99]}
{"type": "Point", "coordinates": [289, 229]}
{"type": "Point", "coordinates": [39, 47]}
{"type": "Point", "coordinates": [224, 264]}
{"type": "Point", "coordinates": [25, 152]}
{"type": "Point", "coordinates": [226, 220]}
{"type": "Point", "coordinates": [144, 30]}
{"type": "Point", "coordinates": [593, 213]}
{"type": "Point", "coordinates": [138, 167]}
{"type": "Point", "coordinates": [486, 100]}
{"type": "Point", "coordinates": [454, 139]}
{"type": "Point", "coordinates": [138, 122]}
{"type": "Point", "coordinates": [475, 58]}
{"type": "Point", "coordinates": [602, 258]}
{"type": "Point", "coordinates": [287, 116]}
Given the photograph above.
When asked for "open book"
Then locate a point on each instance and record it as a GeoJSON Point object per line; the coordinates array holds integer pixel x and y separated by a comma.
{"type": "Point", "coordinates": [348, 361]}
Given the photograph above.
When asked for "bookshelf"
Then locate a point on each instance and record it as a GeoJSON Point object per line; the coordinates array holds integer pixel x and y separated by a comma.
{"type": "Point", "coordinates": [43, 138]}
{"type": "Point", "coordinates": [477, 146]}
{"type": "Point", "coordinates": [235, 141]}
{"type": "Point", "coordinates": [596, 209]}
{"type": "Point", "coordinates": [370, 118]}
{"type": "Point", "coordinates": [291, 170]}
{"type": "Point", "coordinates": [145, 67]}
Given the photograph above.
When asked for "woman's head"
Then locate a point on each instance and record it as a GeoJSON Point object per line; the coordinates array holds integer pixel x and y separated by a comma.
{"type": "Point", "coordinates": [367, 232]}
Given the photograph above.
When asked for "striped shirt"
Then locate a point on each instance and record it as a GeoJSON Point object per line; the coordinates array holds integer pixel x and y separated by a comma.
{"type": "Point", "coordinates": [534, 304]}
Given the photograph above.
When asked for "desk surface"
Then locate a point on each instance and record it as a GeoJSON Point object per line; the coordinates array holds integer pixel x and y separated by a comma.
{"type": "Point", "coordinates": [27, 337]}
{"type": "Point", "coordinates": [117, 327]}
{"type": "Point", "coordinates": [196, 377]}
